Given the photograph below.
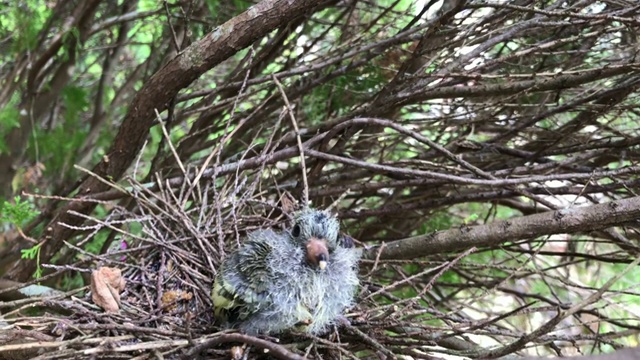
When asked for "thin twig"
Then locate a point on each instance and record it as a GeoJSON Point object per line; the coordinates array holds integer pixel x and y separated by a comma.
{"type": "Point", "coordinates": [305, 190]}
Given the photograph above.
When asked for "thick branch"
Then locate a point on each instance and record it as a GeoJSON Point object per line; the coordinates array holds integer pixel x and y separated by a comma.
{"type": "Point", "coordinates": [417, 93]}
{"type": "Point", "coordinates": [577, 219]}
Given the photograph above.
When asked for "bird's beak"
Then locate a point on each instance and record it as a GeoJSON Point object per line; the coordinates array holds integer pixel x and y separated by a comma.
{"type": "Point", "coordinates": [317, 253]}
{"type": "Point", "coordinates": [322, 264]}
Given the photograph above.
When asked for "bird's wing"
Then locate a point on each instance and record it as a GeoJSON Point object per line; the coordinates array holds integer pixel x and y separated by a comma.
{"type": "Point", "coordinates": [241, 286]}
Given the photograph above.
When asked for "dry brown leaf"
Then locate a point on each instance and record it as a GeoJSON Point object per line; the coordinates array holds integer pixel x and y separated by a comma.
{"type": "Point", "coordinates": [288, 203]}
{"type": "Point", "coordinates": [170, 298]}
{"type": "Point", "coordinates": [237, 352]}
{"type": "Point", "coordinates": [106, 285]}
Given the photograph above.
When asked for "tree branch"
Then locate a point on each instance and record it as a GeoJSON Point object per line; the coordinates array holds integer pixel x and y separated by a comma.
{"type": "Point", "coordinates": [578, 219]}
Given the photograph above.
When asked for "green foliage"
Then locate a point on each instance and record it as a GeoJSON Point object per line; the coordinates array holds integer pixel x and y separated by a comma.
{"type": "Point", "coordinates": [242, 5]}
{"type": "Point", "coordinates": [143, 33]}
{"type": "Point", "coordinates": [213, 6]}
{"type": "Point", "coordinates": [471, 218]}
{"type": "Point", "coordinates": [450, 277]}
{"type": "Point", "coordinates": [95, 245]}
{"type": "Point", "coordinates": [17, 213]}
{"type": "Point", "coordinates": [75, 102]}
{"type": "Point", "coordinates": [73, 36]}
{"type": "Point", "coordinates": [339, 95]}
{"type": "Point", "coordinates": [25, 21]}
{"type": "Point", "coordinates": [9, 119]}
{"type": "Point", "coordinates": [59, 146]}
{"type": "Point", "coordinates": [33, 253]}
{"type": "Point", "coordinates": [405, 292]}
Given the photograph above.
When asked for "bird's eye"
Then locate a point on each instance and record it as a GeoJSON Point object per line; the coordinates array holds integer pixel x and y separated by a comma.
{"type": "Point", "coordinates": [296, 230]}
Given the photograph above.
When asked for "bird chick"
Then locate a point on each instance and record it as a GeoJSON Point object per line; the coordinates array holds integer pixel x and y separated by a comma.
{"type": "Point", "coordinates": [302, 279]}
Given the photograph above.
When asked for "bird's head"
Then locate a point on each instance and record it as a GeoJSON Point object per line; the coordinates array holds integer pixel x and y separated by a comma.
{"type": "Point", "coordinates": [317, 232]}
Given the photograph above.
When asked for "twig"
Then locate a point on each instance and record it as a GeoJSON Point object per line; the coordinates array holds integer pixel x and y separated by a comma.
{"type": "Point", "coordinates": [276, 350]}
{"type": "Point", "coordinates": [371, 341]}
{"type": "Point", "coordinates": [305, 190]}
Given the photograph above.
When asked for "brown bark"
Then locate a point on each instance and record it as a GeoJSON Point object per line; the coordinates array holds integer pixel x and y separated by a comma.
{"type": "Point", "coordinates": [581, 219]}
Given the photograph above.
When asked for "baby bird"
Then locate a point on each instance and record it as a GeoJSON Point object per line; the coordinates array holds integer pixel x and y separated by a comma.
{"type": "Point", "coordinates": [301, 279]}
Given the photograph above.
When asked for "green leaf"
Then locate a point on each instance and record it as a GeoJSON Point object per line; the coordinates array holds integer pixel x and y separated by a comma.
{"type": "Point", "coordinates": [17, 213]}
{"type": "Point", "coordinates": [30, 253]}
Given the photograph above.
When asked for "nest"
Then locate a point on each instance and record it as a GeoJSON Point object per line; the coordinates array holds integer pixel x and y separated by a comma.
{"type": "Point", "coordinates": [155, 272]}
{"type": "Point", "coordinates": [162, 246]}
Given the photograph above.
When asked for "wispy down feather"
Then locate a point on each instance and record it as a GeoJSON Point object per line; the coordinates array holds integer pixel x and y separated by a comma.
{"type": "Point", "coordinates": [268, 285]}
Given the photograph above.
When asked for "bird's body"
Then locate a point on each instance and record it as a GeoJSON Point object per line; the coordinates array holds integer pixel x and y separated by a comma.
{"type": "Point", "coordinates": [302, 279]}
